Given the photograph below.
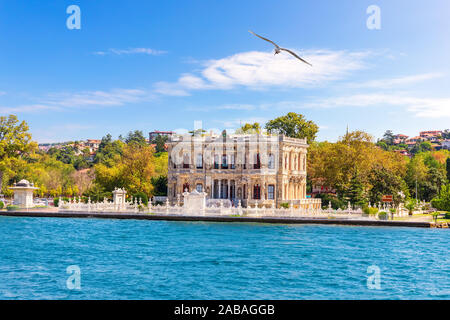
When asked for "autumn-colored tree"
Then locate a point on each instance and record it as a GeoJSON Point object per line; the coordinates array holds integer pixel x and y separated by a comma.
{"type": "Point", "coordinates": [335, 164]}
{"type": "Point", "coordinates": [293, 125]}
{"type": "Point", "coordinates": [132, 171]}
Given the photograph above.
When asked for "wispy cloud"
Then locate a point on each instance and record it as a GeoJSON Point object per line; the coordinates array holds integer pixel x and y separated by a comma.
{"type": "Point", "coordinates": [115, 97]}
{"type": "Point", "coordinates": [417, 106]}
{"type": "Point", "coordinates": [147, 51]}
{"type": "Point", "coordinates": [396, 82]}
{"type": "Point", "coordinates": [64, 101]}
{"type": "Point", "coordinates": [260, 70]}
{"type": "Point", "coordinates": [421, 107]}
{"type": "Point", "coordinates": [31, 108]}
{"type": "Point", "coordinates": [2, 93]}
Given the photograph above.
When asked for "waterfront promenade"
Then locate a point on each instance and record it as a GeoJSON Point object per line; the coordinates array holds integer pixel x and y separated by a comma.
{"type": "Point", "coordinates": [168, 217]}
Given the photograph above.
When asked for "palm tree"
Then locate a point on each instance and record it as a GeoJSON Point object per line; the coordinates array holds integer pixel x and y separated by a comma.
{"type": "Point", "coordinates": [411, 205]}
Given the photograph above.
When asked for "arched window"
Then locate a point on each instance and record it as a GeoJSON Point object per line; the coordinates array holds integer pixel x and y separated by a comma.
{"type": "Point", "coordinates": [199, 161]}
{"type": "Point", "coordinates": [216, 161]}
{"type": "Point", "coordinates": [199, 187]}
{"type": "Point", "coordinates": [271, 161]}
{"type": "Point", "coordinates": [224, 162]}
{"type": "Point", "coordinates": [257, 192]}
{"type": "Point", "coordinates": [271, 192]}
{"type": "Point", "coordinates": [232, 162]}
{"type": "Point", "coordinates": [257, 163]}
{"type": "Point", "coordinates": [186, 187]}
{"type": "Point", "coordinates": [186, 161]}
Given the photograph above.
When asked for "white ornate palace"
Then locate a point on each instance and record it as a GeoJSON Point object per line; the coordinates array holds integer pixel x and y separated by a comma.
{"type": "Point", "coordinates": [255, 169]}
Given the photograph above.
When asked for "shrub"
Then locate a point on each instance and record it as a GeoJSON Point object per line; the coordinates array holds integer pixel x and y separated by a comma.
{"type": "Point", "coordinates": [12, 207]}
{"type": "Point", "coordinates": [336, 203]}
{"type": "Point", "coordinates": [382, 215]}
{"type": "Point", "coordinates": [284, 205]}
{"type": "Point", "coordinates": [142, 196]}
{"type": "Point", "coordinates": [447, 215]}
{"type": "Point", "coordinates": [2, 205]}
{"type": "Point", "coordinates": [442, 201]}
{"type": "Point", "coordinates": [370, 211]}
{"type": "Point", "coordinates": [56, 202]}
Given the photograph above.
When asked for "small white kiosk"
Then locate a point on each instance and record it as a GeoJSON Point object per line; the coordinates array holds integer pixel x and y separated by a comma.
{"type": "Point", "coordinates": [23, 193]}
{"type": "Point", "coordinates": [119, 196]}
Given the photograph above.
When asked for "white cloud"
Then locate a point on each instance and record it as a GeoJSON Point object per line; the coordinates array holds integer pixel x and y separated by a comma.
{"type": "Point", "coordinates": [119, 52]}
{"type": "Point", "coordinates": [63, 101]}
{"type": "Point", "coordinates": [2, 93]}
{"type": "Point", "coordinates": [421, 107]}
{"type": "Point", "coordinates": [395, 82]}
{"type": "Point", "coordinates": [259, 70]}
{"type": "Point", "coordinates": [115, 97]}
{"type": "Point", "coordinates": [25, 108]}
{"type": "Point", "coordinates": [418, 106]}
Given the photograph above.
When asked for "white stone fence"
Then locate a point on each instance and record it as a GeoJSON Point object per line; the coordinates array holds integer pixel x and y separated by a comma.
{"type": "Point", "coordinates": [199, 208]}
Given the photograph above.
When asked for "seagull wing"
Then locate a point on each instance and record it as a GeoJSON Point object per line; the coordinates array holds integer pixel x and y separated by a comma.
{"type": "Point", "coordinates": [264, 38]}
{"type": "Point", "coordinates": [295, 55]}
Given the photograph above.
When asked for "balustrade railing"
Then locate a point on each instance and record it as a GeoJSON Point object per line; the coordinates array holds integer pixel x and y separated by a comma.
{"type": "Point", "coordinates": [217, 209]}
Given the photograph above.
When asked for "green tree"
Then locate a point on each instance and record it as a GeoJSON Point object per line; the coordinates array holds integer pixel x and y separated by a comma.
{"type": "Point", "coordinates": [109, 151]}
{"type": "Point", "coordinates": [448, 169]}
{"type": "Point", "coordinates": [446, 134]}
{"type": "Point", "coordinates": [159, 185]}
{"type": "Point", "coordinates": [136, 137]}
{"type": "Point", "coordinates": [197, 132]}
{"type": "Point", "coordinates": [293, 125]}
{"type": "Point", "coordinates": [160, 142]}
{"type": "Point", "coordinates": [421, 147]}
{"type": "Point", "coordinates": [385, 182]}
{"type": "Point", "coordinates": [355, 193]}
{"type": "Point", "coordinates": [388, 137]}
{"type": "Point", "coordinates": [249, 128]}
{"type": "Point", "coordinates": [442, 201]}
{"type": "Point", "coordinates": [15, 142]}
{"type": "Point", "coordinates": [383, 145]}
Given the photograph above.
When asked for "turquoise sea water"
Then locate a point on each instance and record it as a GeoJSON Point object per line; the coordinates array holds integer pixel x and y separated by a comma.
{"type": "Point", "coordinates": [130, 259]}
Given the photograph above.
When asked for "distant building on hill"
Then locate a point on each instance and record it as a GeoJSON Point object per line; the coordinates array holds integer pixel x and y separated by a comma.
{"type": "Point", "coordinates": [152, 135]}
{"type": "Point", "coordinates": [445, 144]}
{"type": "Point", "coordinates": [93, 144]}
{"type": "Point", "coordinates": [400, 138]}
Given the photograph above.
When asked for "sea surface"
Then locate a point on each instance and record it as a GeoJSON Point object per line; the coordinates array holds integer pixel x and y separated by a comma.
{"type": "Point", "coordinates": [133, 259]}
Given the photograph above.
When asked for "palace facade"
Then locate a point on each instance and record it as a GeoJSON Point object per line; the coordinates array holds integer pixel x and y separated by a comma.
{"type": "Point", "coordinates": [255, 169]}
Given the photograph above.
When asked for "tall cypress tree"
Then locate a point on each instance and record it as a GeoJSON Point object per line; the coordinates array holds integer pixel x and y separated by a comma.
{"type": "Point", "coordinates": [448, 169]}
{"type": "Point", "coordinates": [355, 193]}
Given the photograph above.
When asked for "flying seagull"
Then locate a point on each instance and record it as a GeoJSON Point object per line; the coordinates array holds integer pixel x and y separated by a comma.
{"type": "Point", "coordinates": [278, 48]}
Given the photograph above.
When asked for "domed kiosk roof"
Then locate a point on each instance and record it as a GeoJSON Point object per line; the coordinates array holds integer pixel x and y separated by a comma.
{"type": "Point", "coordinates": [24, 184]}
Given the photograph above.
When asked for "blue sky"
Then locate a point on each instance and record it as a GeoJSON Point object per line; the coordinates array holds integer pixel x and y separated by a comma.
{"type": "Point", "coordinates": [164, 64]}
